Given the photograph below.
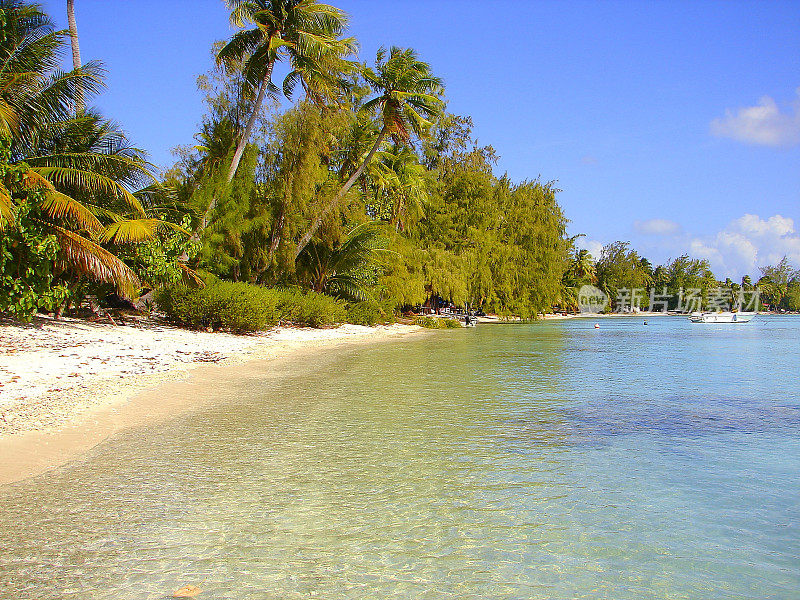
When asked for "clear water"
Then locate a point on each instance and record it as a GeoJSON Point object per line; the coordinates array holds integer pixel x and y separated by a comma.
{"type": "Point", "coordinates": [550, 460]}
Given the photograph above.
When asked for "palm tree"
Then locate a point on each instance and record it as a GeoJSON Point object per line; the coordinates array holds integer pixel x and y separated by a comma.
{"type": "Point", "coordinates": [73, 175]}
{"type": "Point", "coordinates": [582, 266]}
{"type": "Point", "coordinates": [33, 91]}
{"type": "Point", "coordinates": [400, 180]}
{"type": "Point", "coordinates": [343, 270]}
{"type": "Point", "coordinates": [305, 32]}
{"type": "Point", "coordinates": [76, 50]}
{"type": "Point", "coordinates": [409, 96]}
{"type": "Point", "coordinates": [85, 170]}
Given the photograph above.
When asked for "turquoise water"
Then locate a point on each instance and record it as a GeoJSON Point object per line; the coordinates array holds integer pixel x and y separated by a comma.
{"type": "Point", "coordinates": [551, 460]}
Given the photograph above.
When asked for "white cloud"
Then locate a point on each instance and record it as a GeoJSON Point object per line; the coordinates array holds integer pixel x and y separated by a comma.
{"type": "Point", "coordinates": [589, 160]}
{"type": "Point", "coordinates": [763, 124]}
{"type": "Point", "coordinates": [593, 246]}
{"type": "Point", "coordinates": [748, 243]}
{"type": "Point", "coordinates": [656, 227]}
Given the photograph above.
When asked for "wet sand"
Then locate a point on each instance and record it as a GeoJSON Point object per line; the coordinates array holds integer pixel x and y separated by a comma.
{"type": "Point", "coordinates": [65, 387]}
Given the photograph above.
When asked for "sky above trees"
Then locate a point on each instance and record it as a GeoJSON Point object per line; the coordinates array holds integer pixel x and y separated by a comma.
{"type": "Point", "coordinates": [675, 125]}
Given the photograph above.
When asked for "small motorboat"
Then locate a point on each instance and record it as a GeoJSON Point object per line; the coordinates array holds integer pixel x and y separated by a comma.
{"type": "Point", "coordinates": [721, 317]}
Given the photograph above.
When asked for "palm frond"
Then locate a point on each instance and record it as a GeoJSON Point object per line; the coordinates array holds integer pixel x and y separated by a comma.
{"type": "Point", "coordinates": [63, 208]}
{"type": "Point", "coordinates": [133, 231]}
{"type": "Point", "coordinates": [89, 259]}
{"type": "Point", "coordinates": [349, 287]}
{"type": "Point", "coordinates": [190, 276]}
{"type": "Point", "coordinates": [89, 183]}
{"type": "Point", "coordinates": [8, 211]}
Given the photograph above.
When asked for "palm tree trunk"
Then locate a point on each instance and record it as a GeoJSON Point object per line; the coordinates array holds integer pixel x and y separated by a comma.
{"type": "Point", "coordinates": [76, 51]}
{"type": "Point", "coordinates": [237, 155]}
{"type": "Point", "coordinates": [317, 222]}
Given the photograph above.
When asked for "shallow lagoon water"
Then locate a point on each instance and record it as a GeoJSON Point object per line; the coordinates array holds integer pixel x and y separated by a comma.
{"type": "Point", "coordinates": [550, 460]}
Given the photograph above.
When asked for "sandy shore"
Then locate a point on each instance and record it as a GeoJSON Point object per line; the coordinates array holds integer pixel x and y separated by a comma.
{"type": "Point", "coordinates": [67, 385]}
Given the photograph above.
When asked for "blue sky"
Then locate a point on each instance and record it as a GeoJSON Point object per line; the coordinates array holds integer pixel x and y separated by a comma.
{"type": "Point", "coordinates": [673, 125]}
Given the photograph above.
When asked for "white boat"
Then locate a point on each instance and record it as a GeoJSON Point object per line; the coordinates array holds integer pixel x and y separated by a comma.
{"type": "Point", "coordinates": [721, 317]}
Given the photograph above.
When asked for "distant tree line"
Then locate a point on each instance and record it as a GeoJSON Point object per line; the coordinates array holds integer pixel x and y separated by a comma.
{"type": "Point", "coordinates": [629, 279]}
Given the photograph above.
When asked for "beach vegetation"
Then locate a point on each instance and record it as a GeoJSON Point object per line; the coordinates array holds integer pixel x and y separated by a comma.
{"type": "Point", "coordinates": [308, 35]}
{"type": "Point", "coordinates": [778, 284]}
{"type": "Point", "coordinates": [437, 323]}
{"type": "Point", "coordinates": [369, 313]}
{"type": "Point", "coordinates": [408, 96]}
{"type": "Point", "coordinates": [69, 198]}
{"type": "Point", "coordinates": [242, 307]}
{"type": "Point", "coordinates": [346, 189]}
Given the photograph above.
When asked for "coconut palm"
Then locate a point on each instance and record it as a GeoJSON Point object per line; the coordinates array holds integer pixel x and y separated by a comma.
{"type": "Point", "coordinates": [401, 182]}
{"type": "Point", "coordinates": [345, 269]}
{"type": "Point", "coordinates": [33, 91]}
{"type": "Point", "coordinates": [325, 77]}
{"type": "Point", "coordinates": [85, 170]}
{"type": "Point", "coordinates": [74, 175]}
{"type": "Point", "coordinates": [76, 49]}
{"type": "Point", "coordinates": [409, 95]}
{"type": "Point", "coordinates": [306, 33]}
{"type": "Point", "coordinates": [582, 267]}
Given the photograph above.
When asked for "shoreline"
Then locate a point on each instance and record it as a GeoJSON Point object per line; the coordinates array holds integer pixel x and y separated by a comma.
{"type": "Point", "coordinates": [66, 386]}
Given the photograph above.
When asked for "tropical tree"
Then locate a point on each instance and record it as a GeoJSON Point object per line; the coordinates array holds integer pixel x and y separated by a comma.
{"type": "Point", "coordinates": [409, 95]}
{"type": "Point", "coordinates": [400, 185]}
{"type": "Point", "coordinates": [66, 181]}
{"type": "Point", "coordinates": [345, 269]}
{"type": "Point", "coordinates": [620, 271]}
{"type": "Point", "coordinates": [581, 266]}
{"type": "Point", "coordinates": [580, 270]}
{"type": "Point", "coordinates": [306, 33]}
{"type": "Point", "coordinates": [774, 281]}
{"type": "Point", "coordinates": [76, 49]}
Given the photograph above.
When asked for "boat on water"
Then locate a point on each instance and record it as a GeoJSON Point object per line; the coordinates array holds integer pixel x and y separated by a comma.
{"type": "Point", "coordinates": [721, 317]}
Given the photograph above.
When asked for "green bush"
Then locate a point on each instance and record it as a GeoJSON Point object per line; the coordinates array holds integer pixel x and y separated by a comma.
{"type": "Point", "coordinates": [368, 313]}
{"type": "Point", "coordinates": [309, 308]}
{"type": "Point", "coordinates": [241, 307]}
{"type": "Point", "coordinates": [436, 323]}
{"type": "Point", "coordinates": [226, 305]}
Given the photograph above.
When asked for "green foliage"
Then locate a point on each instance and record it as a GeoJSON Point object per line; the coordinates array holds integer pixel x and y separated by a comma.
{"type": "Point", "coordinates": [775, 282]}
{"type": "Point", "coordinates": [489, 242]}
{"type": "Point", "coordinates": [793, 296]}
{"type": "Point", "coordinates": [619, 268]}
{"type": "Point", "coordinates": [222, 240]}
{"type": "Point", "coordinates": [346, 269]}
{"type": "Point", "coordinates": [157, 261]}
{"type": "Point", "coordinates": [297, 172]}
{"type": "Point", "coordinates": [301, 307]}
{"type": "Point", "coordinates": [368, 313]}
{"type": "Point", "coordinates": [242, 307]}
{"type": "Point", "coordinates": [28, 254]}
{"type": "Point", "coordinates": [231, 306]}
{"type": "Point", "coordinates": [68, 176]}
{"type": "Point", "coordinates": [437, 323]}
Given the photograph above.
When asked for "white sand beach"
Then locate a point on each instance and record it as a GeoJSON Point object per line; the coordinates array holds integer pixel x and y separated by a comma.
{"type": "Point", "coordinates": [60, 379]}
